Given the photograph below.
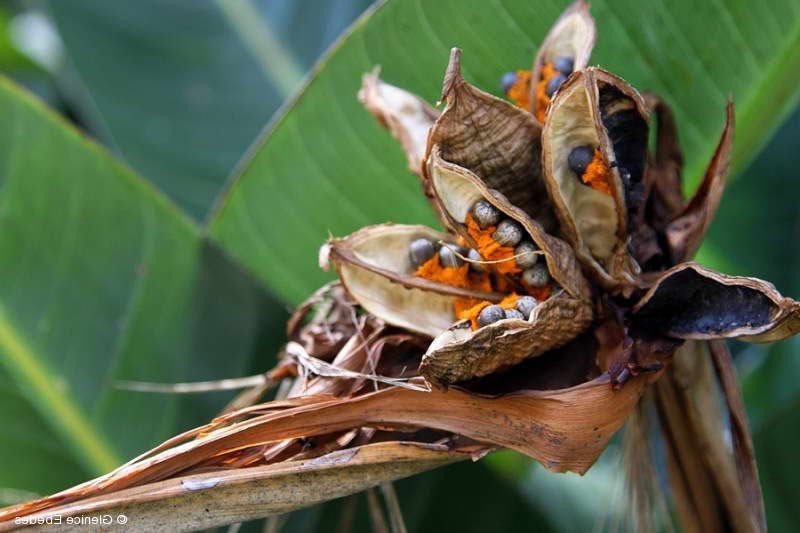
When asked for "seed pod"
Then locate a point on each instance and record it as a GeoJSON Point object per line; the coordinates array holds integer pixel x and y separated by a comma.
{"type": "Point", "coordinates": [508, 233]}
{"type": "Point", "coordinates": [490, 314]}
{"type": "Point", "coordinates": [376, 269]}
{"type": "Point", "coordinates": [526, 305]}
{"type": "Point", "coordinates": [485, 214]}
{"type": "Point", "coordinates": [514, 314]}
{"type": "Point", "coordinates": [689, 301]}
{"type": "Point", "coordinates": [537, 276]}
{"type": "Point", "coordinates": [597, 112]}
{"type": "Point", "coordinates": [461, 353]}
{"type": "Point", "coordinates": [421, 250]}
{"type": "Point", "coordinates": [499, 142]}
{"type": "Point", "coordinates": [526, 254]}
{"type": "Point", "coordinates": [449, 258]}
{"type": "Point", "coordinates": [570, 39]}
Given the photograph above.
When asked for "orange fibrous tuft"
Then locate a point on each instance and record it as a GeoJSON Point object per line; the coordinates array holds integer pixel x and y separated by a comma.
{"type": "Point", "coordinates": [542, 100]}
{"type": "Point", "coordinates": [596, 174]}
{"type": "Point", "coordinates": [519, 93]}
{"type": "Point", "coordinates": [490, 249]}
{"type": "Point", "coordinates": [460, 277]}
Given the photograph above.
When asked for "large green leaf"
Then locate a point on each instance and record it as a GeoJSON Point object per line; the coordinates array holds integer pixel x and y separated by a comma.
{"type": "Point", "coordinates": [102, 280]}
{"type": "Point", "coordinates": [180, 89]}
{"type": "Point", "coordinates": [327, 166]}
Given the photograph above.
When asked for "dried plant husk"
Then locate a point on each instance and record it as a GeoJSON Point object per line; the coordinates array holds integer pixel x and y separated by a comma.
{"type": "Point", "coordinates": [572, 35]}
{"type": "Point", "coordinates": [375, 268]}
{"type": "Point", "coordinates": [600, 110]}
{"type": "Point", "coordinates": [689, 301]}
{"type": "Point", "coordinates": [407, 116]}
{"type": "Point", "coordinates": [685, 232]}
{"type": "Point", "coordinates": [497, 141]}
{"type": "Point", "coordinates": [460, 353]}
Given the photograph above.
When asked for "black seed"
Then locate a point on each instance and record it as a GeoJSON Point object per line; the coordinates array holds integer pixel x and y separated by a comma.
{"type": "Point", "coordinates": [474, 255]}
{"type": "Point", "coordinates": [579, 158]}
{"type": "Point", "coordinates": [526, 254]}
{"type": "Point", "coordinates": [513, 313]}
{"type": "Point", "coordinates": [448, 257]}
{"type": "Point", "coordinates": [485, 214]}
{"type": "Point", "coordinates": [564, 65]}
{"type": "Point", "coordinates": [508, 80]}
{"type": "Point", "coordinates": [554, 83]}
{"type": "Point", "coordinates": [508, 233]}
{"type": "Point", "coordinates": [420, 251]}
{"type": "Point", "coordinates": [526, 305]}
{"type": "Point", "coordinates": [537, 276]}
{"type": "Point", "coordinates": [490, 315]}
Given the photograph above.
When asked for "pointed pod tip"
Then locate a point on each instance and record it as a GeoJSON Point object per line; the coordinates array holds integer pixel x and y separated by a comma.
{"type": "Point", "coordinates": [453, 73]}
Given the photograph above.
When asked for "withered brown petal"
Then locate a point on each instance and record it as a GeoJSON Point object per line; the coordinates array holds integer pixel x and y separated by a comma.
{"type": "Point", "coordinates": [689, 301]}
{"type": "Point", "coordinates": [597, 109]}
{"type": "Point", "coordinates": [495, 140]}
{"type": "Point", "coordinates": [664, 172]}
{"type": "Point", "coordinates": [686, 232]}
{"type": "Point", "coordinates": [374, 266]}
{"type": "Point", "coordinates": [408, 117]}
{"type": "Point", "coordinates": [572, 36]}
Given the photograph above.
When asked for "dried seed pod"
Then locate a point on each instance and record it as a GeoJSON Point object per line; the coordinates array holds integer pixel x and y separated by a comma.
{"type": "Point", "coordinates": [461, 353]}
{"type": "Point", "coordinates": [596, 111]}
{"type": "Point", "coordinates": [689, 301]}
{"type": "Point", "coordinates": [526, 254]}
{"type": "Point", "coordinates": [566, 49]}
{"type": "Point", "coordinates": [497, 141]}
{"type": "Point", "coordinates": [526, 305]}
{"type": "Point", "coordinates": [407, 116]}
{"type": "Point", "coordinates": [376, 269]}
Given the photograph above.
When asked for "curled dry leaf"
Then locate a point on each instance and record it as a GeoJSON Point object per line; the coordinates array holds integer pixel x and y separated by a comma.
{"type": "Point", "coordinates": [686, 232]}
{"type": "Point", "coordinates": [571, 37]}
{"type": "Point", "coordinates": [594, 152]}
{"type": "Point", "coordinates": [460, 353]}
{"type": "Point", "coordinates": [498, 142]}
{"type": "Point", "coordinates": [692, 302]}
{"type": "Point", "coordinates": [407, 116]}
{"type": "Point", "coordinates": [375, 268]}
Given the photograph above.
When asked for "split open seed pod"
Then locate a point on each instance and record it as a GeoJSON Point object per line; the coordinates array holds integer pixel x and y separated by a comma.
{"type": "Point", "coordinates": [572, 38]}
{"type": "Point", "coordinates": [375, 267]}
{"type": "Point", "coordinates": [407, 116]}
{"type": "Point", "coordinates": [499, 142]}
{"type": "Point", "coordinates": [692, 302]}
{"type": "Point", "coordinates": [563, 311]}
{"type": "Point", "coordinates": [594, 146]}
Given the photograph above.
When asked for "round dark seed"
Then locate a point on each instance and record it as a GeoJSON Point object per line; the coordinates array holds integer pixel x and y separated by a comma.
{"type": "Point", "coordinates": [485, 214]}
{"type": "Point", "coordinates": [448, 257]}
{"type": "Point", "coordinates": [579, 158]}
{"type": "Point", "coordinates": [513, 313]}
{"type": "Point", "coordinates": [564, 65]}
{"type": "Point", "coordinates": [508, 233]}
{"type": "Point", "coordinates": [554, 83]}
{"type": "Point", "coordinates": [508, 81]}
{"type": "Point", "coordinates": [537, 276]}
{"type": "Point", "coordinates": [526, 255]}
{"type": "Point", "coordinates": [420, 251]}
{"type": "Point", "coordinates": [526, 305]}
{"type": "Point", "coordinates": [474, 255]}
{"type": "Point", "coordinates": [490, 315]}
